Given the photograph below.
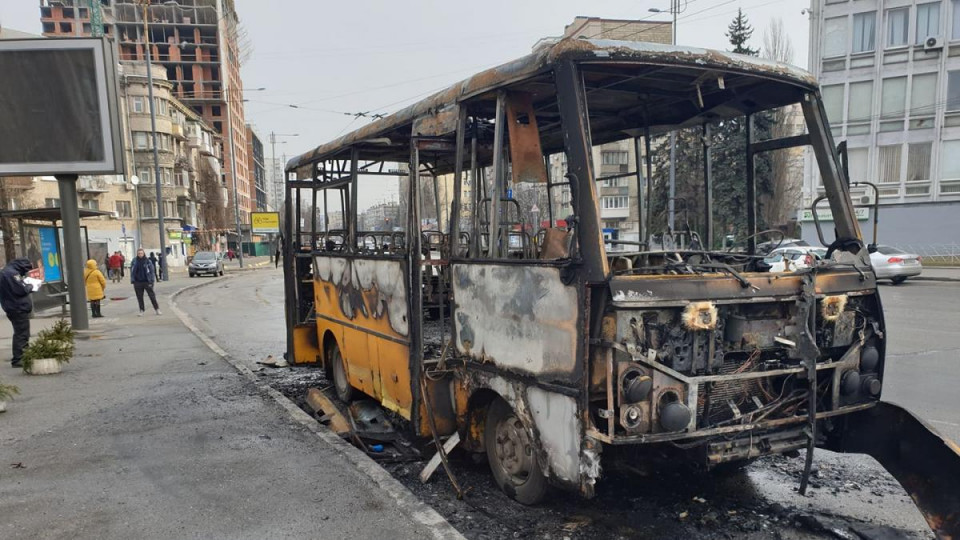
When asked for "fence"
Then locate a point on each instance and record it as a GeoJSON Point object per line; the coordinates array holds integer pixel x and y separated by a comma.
{"type": "Point", "coordinates": [934, 254]}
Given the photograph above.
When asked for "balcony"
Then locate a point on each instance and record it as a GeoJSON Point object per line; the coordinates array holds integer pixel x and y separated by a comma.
{"type": "Point", "coordinates": [177, 131]}
{"type": "Point", "coordinates": [87, 184]}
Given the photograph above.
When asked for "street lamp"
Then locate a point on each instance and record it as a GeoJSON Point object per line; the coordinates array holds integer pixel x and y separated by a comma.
{"type": "Point", "coordinates": [145, 4]}
{"type": "Point", "coordinates": [233, 163]}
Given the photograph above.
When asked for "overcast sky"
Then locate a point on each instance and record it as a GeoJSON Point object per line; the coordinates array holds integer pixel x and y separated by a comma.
{"type": "Point", "coordinates": [376, 56]}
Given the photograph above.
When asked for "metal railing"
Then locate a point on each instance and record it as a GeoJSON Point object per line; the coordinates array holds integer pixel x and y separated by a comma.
{"type": "Point", "coordinates": [945, 254]}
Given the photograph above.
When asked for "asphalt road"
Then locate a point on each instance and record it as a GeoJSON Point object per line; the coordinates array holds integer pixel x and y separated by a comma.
{"type": "Point", "coordinates": [244, 315]}
{"type": "Point", "coordinates": [923, 354]}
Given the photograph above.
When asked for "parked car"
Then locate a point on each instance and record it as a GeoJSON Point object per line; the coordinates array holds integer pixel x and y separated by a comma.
{"type": "Point", "coordinates": [893, 264]}
{"type": "Point", "coordinates": [789, 259]}
{"type": "Point", "coordinates": [205, 262]}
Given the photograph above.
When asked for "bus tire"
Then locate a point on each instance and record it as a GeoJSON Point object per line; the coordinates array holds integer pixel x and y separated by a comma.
{"type": "Point", "coordinates": [512, 455]}
{"type": "Point", "coordinates": [341, 383]}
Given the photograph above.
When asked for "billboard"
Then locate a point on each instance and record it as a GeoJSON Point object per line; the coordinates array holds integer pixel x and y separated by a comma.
{"type": "Point", "coordinates": [50, 254]}
{"type": "Point", "coordinates": [59, 103]}
{"type": "Point", "coordinates": [265, 223]}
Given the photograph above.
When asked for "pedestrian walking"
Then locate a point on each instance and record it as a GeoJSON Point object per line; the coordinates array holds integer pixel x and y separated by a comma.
{"type": "Point", "coordinates": [230, 254]}
{"type": "Point", "coordinates": [115, 267]}
{"type": "Point", "coordinates": [160, 275]}
{"type": "Point", "coordinates": [96, 284]}
{"type": "Point", "coordinates": [142, 276]}
{"type": "Point", "coordinates": [123, 262]}
{"type": "Point", "coordinates": [15, 301]}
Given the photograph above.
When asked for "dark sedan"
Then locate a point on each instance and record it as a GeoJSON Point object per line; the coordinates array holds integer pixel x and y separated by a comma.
{"type": "Point", "coordinates": [206, 262]}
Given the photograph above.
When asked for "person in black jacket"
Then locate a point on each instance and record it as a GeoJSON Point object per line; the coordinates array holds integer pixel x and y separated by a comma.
{"type": "Point", "coordinates": [15, 300]}
{"type": "Point", "coordinates": [142, 275]}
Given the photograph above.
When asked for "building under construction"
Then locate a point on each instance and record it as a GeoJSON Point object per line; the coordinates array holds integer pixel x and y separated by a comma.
{"type": "Point", "coordinates": [195, 41]}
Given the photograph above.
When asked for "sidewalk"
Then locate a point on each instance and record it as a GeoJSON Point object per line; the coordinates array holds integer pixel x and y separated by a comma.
{"type": "Point", "coordinates": [149, 434]}
{"type": "Point", "coordinates": [939, 273]}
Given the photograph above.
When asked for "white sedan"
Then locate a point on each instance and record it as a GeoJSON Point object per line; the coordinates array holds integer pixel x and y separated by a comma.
{"type": "Point", "coordinates": [894, 264]}
{"type": "Point", "coordinates": [792, 258]}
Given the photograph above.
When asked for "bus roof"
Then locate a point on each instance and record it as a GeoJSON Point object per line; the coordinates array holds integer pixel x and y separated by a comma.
{"type": "Point", "coordinates": [541, 61]}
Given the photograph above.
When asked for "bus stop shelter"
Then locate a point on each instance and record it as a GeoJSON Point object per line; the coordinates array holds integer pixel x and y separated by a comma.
{"type": "Point", "coordinates": [41, 243]}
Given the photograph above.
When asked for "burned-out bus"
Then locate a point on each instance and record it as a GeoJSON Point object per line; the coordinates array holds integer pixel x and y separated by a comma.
{"type": "Point", "coordinates": [551, 348]}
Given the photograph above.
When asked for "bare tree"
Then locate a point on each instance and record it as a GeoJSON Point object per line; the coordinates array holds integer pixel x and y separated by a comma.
{"type": "Point", "coordinates": [781, 206]}
{"type": "Point", "coordinates": [13, 195]}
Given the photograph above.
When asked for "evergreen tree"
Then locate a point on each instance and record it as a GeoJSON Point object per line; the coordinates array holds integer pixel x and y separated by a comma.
{"type": "Point", "coordinates": [739, 33]}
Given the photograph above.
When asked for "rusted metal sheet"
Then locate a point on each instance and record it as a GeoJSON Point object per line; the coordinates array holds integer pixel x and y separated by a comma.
{"type": "Point", "coordinates": [540, 61]}
{"type": "Point", "coordinates": [925, 463]}
{"type": "Point", "coordinates": [643, 291]}
{"type": "Point", "coordinates": [439, 123]}
{"type": "Point", "coordinates": [518, 318]}
{"type": "Point", "coordinates": [526, 156]}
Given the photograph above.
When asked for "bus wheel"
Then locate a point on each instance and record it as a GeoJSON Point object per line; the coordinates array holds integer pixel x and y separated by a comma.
{"type": "Point", "coordinates": [512, 456]}
{"type": "Point", "coordinates": [340, 381]}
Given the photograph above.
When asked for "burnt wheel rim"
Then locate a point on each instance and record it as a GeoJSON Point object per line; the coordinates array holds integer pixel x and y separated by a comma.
{"type": "Point", "coordinates": [513, 450]}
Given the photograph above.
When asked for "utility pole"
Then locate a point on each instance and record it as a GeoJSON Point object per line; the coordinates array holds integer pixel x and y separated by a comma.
{"type": "Point", "coordinates": [273, 172]}
{"type": "Point", "coordinates": [156, 157]}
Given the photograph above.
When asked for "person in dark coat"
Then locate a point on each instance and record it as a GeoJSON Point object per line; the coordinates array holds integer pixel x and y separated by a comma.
{"type": "Point", "coordinates": [15, 300]}
{"type": "Point", "coordinates": [142, 276]}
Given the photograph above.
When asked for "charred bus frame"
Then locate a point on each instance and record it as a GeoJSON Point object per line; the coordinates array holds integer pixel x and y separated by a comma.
{"type": "Point", "coordinates": [559, 349]}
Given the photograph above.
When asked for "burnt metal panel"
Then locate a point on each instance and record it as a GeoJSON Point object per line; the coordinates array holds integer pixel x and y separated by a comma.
{"type": "Point", "coordinates": [526, 155]}
{"type": "Point", "coordinates": [437, 123]}
{"type": "Point", "coordinates": [540, 61]}
{"type": "Point", "coordinates": [640, 291]}
{"type": "Point", "coordinates": [580, 166]}
{"type": "Point", "coordinates": [521, 319]}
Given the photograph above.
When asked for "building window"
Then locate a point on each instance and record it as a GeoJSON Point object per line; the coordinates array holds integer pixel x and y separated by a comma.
{"type": "Point", "coordinates": [147, 209]}
{"type": "Point", "coordinates": [833, 102]}
{"type": "Point", "coordinates": [889, 164]}
{"type": "Point", "coordinates": [170, 209]}
{"type": "Point", "coordinates": [864, 31]}
{"type": "Point", "coordinates": [923, 94]}
{"type": "Point", "coordinates": [858, 107]}
{"type": "Point", "coordinates": [123, 209]}
{"type": "Point", "coordinates": [953, 91]}
{"type": "Point", "coordinates": [950, 160]}
{"type": "Point", "coordinates": [834, 37]}
{"type": "Point", "coordinates": [180, 178]}
{"type": "Point", "coordinates": [918, 161]}
{"type": "Point", "coordinates": [615, 182]}
{"type": "Point", "coordinates": [90, 204]}
{"type": "Point", "coordinates": [614, 157]}
{"type": "Point", "coordinates": [215, 110]}
{"type": "Point", "coordinates": [894, 97]}
{"type": "Point", "coordinates": [145, 175]}
{"type": "Point", "coordinates": [137, 103]}
{"type": "Point", "coordinates": [612, 203]}
{"type": "Point", "coordinates": [161, 106]}
{"type": "Point", "coordinates": [928, 21]}
{"type": "Point", "coordinates": [166, 177]}
{"type": "Point", "coordinates": [139, 140]}
{"type": "Point", "coordinates": [898, 24]}
{"type": "Point", "coordinates": [857, 163]}
{"type": "Point", "coordinates": [955, 29]}
{"type": "Point", "coordinates": [51, 203]}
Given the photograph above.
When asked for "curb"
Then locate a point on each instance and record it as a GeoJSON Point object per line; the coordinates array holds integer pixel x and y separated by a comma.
{"type": "Point", "coordinates": [411, 506]}
{"type": "Point", "coordinates": [940, 279]}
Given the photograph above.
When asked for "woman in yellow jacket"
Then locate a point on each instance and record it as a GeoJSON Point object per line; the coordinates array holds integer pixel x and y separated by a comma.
{"type": "Point", "coordinates": [96, 284]}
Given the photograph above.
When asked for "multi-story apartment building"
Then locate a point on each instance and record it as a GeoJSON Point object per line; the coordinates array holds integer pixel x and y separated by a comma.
{"type": "Point", "coordinates": [196, 43]}
{"type": "Point", "coordinates": [618, 192]}
{"type": "Point", "coordinates": [258, 171]}
{"type": "Point", "coordinates": [890, 77]}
